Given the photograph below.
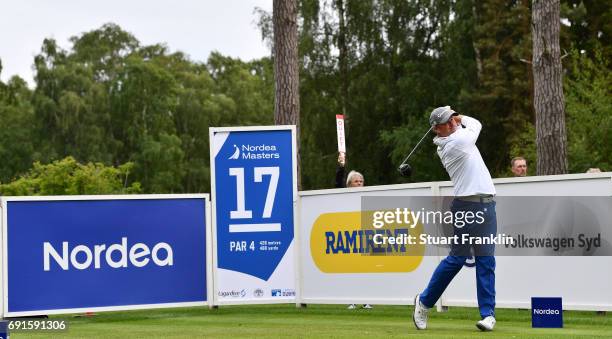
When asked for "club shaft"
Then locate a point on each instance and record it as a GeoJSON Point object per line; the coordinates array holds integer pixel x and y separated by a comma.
{"type": "Point", "coordinates": [417, 145]}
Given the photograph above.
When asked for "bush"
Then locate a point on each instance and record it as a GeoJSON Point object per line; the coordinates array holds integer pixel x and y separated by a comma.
{"type": "Point", "coordinates": [68, 177]}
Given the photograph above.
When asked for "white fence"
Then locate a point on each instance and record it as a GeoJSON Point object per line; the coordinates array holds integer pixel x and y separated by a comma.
{"type": "Point", "coordinates": [338, 274]}
{"type": "Point", "coordinates": [583, 282]}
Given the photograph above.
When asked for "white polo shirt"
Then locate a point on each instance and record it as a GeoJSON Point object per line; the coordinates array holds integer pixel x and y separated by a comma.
{"type": "Point", "coordinates": [463, 161]}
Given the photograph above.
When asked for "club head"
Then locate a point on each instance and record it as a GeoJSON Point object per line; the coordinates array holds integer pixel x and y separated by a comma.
{"type": "Point", "coordinates": [405, 170]}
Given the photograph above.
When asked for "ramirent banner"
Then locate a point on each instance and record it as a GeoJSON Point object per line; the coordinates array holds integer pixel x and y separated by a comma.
{"type": "Point", "coordinates": [254, 188]}
{"type": "Point", "coordinates": [336, 265]}
{"type": "Point", "coordinates": [103, 253]}
{"type": "Point", "coordinates": [355, 247]}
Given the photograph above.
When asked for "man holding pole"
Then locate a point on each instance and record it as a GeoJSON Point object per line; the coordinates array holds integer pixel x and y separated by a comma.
{"type": "Point", "coordinates": [456, 137]}
{"type": "Point", "coordinates": [354, 178]}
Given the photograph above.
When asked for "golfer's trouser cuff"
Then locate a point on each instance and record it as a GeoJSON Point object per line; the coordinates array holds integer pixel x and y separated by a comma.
{"type": "Point", "coordinates": [485, 285]}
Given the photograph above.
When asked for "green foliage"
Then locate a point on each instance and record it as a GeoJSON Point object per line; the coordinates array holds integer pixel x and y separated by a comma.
{"type": "Point", "coordinates": [68, 177]}
{"type": "Point", "coordinates": [16, 134]}
{"type": "Point", "coordinates": [160, 163]}
{"type": "Point", "coordinates": [404, 59]}
{"type": "Point", "coordinates": [590, 27]}
{"type": "Point", "coordinates": [109, 100]}
{"type": "Point", "coordinates": [589, 112]}
{"type": "Point", "coordinates": [426, 166]}
{"type": "Point", "coordinates": [524, 145]}
{"type": "Point", "coordinates": [500, 95]}
{"type": "Point", "coordinates": [588, 108]}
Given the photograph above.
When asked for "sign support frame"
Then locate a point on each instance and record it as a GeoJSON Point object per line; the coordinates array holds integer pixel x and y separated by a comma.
{"type": "Point", "coordinates": [4, 312]}
{"type": "Point", "coordinates": [215, 283]}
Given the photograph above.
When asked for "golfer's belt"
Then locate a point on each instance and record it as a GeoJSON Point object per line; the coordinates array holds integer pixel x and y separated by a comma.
{"type": "Point", "coordinates": [484, 198]}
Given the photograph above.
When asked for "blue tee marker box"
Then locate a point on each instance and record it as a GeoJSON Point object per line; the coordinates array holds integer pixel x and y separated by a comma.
{"type": "Point", "coordinates": [546, 313]}
{"type": "Point", "coordinates": [4, 332]}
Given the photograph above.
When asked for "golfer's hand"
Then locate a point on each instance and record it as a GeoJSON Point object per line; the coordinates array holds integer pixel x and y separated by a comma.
{"type": "Point", "coordinates": [341, 159]}
{"type": "Point", "coordinates": [457, 119]}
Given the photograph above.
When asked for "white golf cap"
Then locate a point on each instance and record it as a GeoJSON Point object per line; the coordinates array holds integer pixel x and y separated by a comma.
{"type": "Point", "coordinates": [441, 115]}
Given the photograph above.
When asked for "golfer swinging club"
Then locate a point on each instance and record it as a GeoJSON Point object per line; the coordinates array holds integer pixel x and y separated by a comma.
{"type": "Point", "coordinates": [474, 191]}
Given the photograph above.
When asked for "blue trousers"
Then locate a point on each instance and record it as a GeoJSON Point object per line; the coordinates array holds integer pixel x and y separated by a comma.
{"type": "Point", "coordinates": [484, 255]}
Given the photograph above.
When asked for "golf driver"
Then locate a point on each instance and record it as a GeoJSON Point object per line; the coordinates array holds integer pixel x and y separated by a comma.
{"type": "Point", "coordinates": [405, 169]}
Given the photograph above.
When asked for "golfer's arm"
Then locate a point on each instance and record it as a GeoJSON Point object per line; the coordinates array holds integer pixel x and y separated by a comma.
{"type": "Point", "coordinates": [471, 130]}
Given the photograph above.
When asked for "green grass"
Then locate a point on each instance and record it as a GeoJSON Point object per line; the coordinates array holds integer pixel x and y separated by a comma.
{"type": "Point", "coordinates": [317, 321]}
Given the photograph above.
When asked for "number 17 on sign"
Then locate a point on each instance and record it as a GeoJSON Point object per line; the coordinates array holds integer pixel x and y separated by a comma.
{"type": "Point", "coordinates": [242, 213]}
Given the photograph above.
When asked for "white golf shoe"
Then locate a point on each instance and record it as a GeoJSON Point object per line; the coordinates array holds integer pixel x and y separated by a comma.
{"type": "Point", "coordinates": [420, 314]}
{"type": "Point", "coordinates": [486, 324]}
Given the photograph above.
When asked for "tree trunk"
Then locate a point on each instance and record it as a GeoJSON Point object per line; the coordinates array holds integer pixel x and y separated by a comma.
{"type": "Point", "coordinates": [286, 70]}
{"type": "Point", "coordinates": [549, 102]}
{"type": "Point", "coordinates": [343, 63]}
{"type": "Point", "coordinates": [475, 45]}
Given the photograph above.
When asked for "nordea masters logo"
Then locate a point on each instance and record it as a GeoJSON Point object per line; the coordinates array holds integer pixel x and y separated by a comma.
{"type": "Point", "coordinates": [81, 257]}
{"type": "Point", "coordinates": [253, 152]}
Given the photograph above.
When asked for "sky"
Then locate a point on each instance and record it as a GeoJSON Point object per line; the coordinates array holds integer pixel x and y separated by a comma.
{"type": "Point", "coordinates": [195, 27]}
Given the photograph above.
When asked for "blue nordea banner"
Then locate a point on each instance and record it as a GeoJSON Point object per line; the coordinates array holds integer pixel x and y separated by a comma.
{"type": "Point", "coordinates": [546, 312]}
{"type": "Point", "coordinates": [254, 190]}
{"type": "Point", "coordinates": [73, 254]}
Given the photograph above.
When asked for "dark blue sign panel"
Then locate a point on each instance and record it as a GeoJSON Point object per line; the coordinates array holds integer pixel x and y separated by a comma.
{"type": "Point", "coordinates": [546, 312]}
{"type": "Point", "coordinates": [4, 331]}
{"type": "Point", "coordinates": [254, 192]}
{"type": "Point", "coordinates": [74, 254]}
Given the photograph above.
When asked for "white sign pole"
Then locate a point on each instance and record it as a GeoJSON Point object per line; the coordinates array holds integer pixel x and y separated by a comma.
{"type": "Point", "coordinates": [340, 130]}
